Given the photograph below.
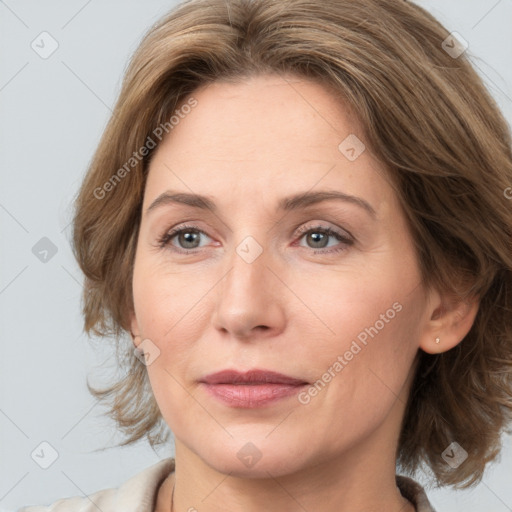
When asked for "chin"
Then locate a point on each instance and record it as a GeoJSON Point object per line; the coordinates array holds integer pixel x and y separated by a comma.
{"type": "Point", "coordinates": [261, 458]}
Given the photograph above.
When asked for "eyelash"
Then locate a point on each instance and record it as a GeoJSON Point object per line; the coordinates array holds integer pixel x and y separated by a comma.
{"type": "Point", "coordinates": [165, 239]}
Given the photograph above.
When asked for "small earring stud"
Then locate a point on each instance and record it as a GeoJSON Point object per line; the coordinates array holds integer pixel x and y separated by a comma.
{"type": "Point", "coordinates": [438, 340]}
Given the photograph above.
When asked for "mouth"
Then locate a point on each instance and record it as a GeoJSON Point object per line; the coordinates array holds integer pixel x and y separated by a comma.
{"type": "Point", "coordinates": [252, 389]}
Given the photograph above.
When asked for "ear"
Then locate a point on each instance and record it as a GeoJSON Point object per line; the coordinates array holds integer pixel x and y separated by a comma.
{"type": "Point", "coordinates": [134, 330]}
{"type": "Point", "coordinates": [450, 318]}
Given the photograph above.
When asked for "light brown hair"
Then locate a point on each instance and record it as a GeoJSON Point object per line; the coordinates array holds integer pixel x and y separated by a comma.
{"type": "Point", "coordinates": [425, 115]}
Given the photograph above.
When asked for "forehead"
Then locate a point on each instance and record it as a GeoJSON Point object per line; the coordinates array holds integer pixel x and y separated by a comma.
{"type": "Point", "coordinates": [275, 135]}
{"type": "Point", "coordinates": [247, 115]}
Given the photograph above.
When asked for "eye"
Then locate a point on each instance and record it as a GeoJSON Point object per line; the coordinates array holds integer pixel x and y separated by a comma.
{"type": "Point", "coordinates": [188, 238]}
{"type": "Point", "coordinates": [318, 238]}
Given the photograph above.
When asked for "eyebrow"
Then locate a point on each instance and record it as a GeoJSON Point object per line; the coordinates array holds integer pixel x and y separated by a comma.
{"type": "Point", "coordinates": [295, 202]}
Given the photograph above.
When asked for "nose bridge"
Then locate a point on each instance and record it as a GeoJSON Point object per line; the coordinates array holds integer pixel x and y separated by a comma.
{"type": "Point", "coordinates": [248, 273]}
{"type": "Point", "coordinates": [249, 250]}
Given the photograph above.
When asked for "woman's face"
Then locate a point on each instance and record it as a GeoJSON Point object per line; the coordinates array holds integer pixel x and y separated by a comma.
{"type": "Point", "coordinates": [255, 281]}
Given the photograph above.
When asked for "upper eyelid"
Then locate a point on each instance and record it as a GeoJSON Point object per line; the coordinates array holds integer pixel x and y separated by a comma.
{"type": "Point", "coordinates": [314, 225]}
{"type": "Point", "coordinates": [308, 228]}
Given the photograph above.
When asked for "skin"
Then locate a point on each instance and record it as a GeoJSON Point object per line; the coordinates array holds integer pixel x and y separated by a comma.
{"type": "Point", "coordinates": [294, 309]}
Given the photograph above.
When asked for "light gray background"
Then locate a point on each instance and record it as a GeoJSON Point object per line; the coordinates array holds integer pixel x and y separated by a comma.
{"type": "Point", "coordinates": [53, 112]}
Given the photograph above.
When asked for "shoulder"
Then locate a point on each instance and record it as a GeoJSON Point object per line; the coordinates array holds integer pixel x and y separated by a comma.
{"type": "Point", "coordinates": [136, 494]}
{"type": "Point", "coordinates": [415, 493]}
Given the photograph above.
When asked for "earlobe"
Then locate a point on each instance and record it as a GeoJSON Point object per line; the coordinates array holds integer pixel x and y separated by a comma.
{"type": "Point", "coordinates": [134, 330]}
{"type": "Point", "coordinates": [449, 323]}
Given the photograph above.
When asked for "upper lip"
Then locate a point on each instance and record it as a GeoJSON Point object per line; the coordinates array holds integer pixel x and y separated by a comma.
{"type": "Point", "coordinates": [251, 377]}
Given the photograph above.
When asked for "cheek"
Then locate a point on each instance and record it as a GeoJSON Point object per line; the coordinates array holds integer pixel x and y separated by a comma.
{"type": "Point", "coordinates": [167, 310]}
{"type": "Point", "coordinates": [165, 300]}
{"type": "Point", "coordinates": [366, 334]}
{"type": "Point", "coordinates": [170, 310]}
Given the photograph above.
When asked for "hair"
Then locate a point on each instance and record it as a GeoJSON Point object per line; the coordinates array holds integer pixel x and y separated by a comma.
{"type": "Point", "coordinates": [426, 115]}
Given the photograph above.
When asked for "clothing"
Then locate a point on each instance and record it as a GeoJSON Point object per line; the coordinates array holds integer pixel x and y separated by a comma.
{"type": "Point", "coordinates": [139, 493]}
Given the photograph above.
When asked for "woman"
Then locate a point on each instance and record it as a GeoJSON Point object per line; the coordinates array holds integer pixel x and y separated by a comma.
{"type": "Point", "coordinates": [299, 211]}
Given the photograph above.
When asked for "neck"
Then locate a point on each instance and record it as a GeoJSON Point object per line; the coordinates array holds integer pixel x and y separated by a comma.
{"type": "Point", "coordinates": [326, 486]}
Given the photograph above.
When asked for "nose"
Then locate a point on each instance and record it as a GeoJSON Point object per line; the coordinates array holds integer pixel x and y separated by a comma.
{"type": "Point", "coordinates": [249, 300]}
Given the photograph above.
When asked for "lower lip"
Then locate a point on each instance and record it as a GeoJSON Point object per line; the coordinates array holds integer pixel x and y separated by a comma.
{"type": "Point", "coordinates": [251, 395]}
